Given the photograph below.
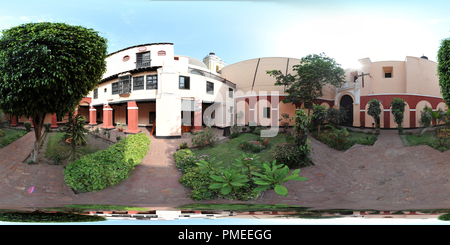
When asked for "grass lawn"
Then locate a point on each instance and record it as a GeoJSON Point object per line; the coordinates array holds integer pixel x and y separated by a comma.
{"type": "Point", "coordinates": [428, 138]}
{"type": "Point", "coordinates": [10, 135]}
{"type": "Point", "coordinates": [229, 150]}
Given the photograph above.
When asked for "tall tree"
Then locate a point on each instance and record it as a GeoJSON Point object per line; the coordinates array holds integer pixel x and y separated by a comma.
{"type": "Point", "coordinates": [374, 111]}
{"type": "Point", "coordinates": [48, 68]}
{"type": "Point", "coordinates": [398, 109]}
{"type": "Point", "coordinates": [312, 74]}
{"type": "Point", "coordinates": [444, 70]}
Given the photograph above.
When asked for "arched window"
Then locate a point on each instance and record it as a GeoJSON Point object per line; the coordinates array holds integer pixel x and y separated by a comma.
{"type": "Point", "coordinates": [161, 53]}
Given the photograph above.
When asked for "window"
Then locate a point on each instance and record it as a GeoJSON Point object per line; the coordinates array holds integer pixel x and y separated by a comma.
{"type": "Point", "coordinates": [209, 88]}
{"type": "Point", "coordinates": [266, 112]}
{"type": "Point", "coordinates": [230, 92]}
{"type": "Point", "coordinates": [387, 72]}
{"type": "Point", "coordinates": [104, 90]}
{"type": "Point", "coordinates": [161, 53]}
{"type": "Point", "coordinates": [184, 82]}
{"type": "Point", "coordinates": [142, 59]}
{"type": "Point", "coordinates": [96, 93]}
{"type": "Point", "coordinates": [152, 82]}
{"type": "Point", "coordinates": [138, 83]}
{"type": "Point", "coordinates": [123, 86]}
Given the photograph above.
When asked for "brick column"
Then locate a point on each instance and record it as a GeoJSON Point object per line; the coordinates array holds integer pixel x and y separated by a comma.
{"type": "Point", "coordinates": [92, 116]}
{"type": "Point", "coordinates": [54, 121]}
{"type": "Point", "coordinates": [133, 116]}
{"type": "Point", "coordinates": [13, 121]}
{"type": "Point", "coordinates": [198, 115]}
{"type": "Point", "coordinates": [107, 117]}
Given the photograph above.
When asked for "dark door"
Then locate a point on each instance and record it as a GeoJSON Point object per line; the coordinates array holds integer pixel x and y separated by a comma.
{"type": "Point", "coordinates": [151, 117]}
{"type": "Point", "coordinates": [347, 103]}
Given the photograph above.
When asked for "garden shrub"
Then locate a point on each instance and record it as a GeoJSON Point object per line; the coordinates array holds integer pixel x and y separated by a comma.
{"type": "Point", "coordinates": [289, 154]}
{"type": "Point", "coordinates": [181, 154]}
{"type": "Point", "coordinates": [40, 217]}
{"type": "Point", "coordinates": [94, 172]}
{"type": "Point", "coordinates": [208, 136]}
{"type": "Point", "coordinates": [252, 147]}
{"type": "Point", "coordinates": [47, 127]}
{"type": "Point", "coordinates": [190, 161]}
{"type": "Point", "coordinates": [27, 125]}
{"type": "Point", "coordinates": [1, 133]}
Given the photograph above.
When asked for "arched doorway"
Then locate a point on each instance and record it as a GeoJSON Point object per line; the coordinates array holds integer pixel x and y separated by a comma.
{"type": "Point", "coordinates": [347, 103]}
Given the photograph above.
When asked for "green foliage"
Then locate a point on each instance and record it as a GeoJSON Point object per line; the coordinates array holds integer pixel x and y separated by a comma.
{"type": "Point", "coordinates": [27, 125]}
{"type": "Point", "coordinates": [301, 120]}
{"type": "Point", "coordinates": [398, 109]}
{"type": "Point", "coordinates": [108, 167]}
{"type": "Point", "coordinates": [313, 72]}
{"type": "Point", "coordinates": [228, 180]}
{"type": "Point", "coordinates": [252, 125]}
{"type": "Point", "coordinates": [1, 133]}
{"type": "Point", "coordinates": [209, 167]}
{"type": "Point", "coordinates": [76, 132]}
{"type": "Point", "coordinates": [288, 154]}
{"type": "Point", "coordinates": [254, 146]}
{"type": "Point", "coordinates": [184, 145]}
{"type": "Point", "coordinates": [374, 111]}
{"type": "Point", "coordinates": [443, 69]}
{"type": "Point", "coordinates": [207, 137]}
{"type": "Point", "coordinates": [244, 129]}
{"type": "Point", "coordinates": [40, 217]}
{"type": "Point", "coordinates": [336, 116]}
{"type": "Point", "coordinates": [426, 117]}
{"type": "Point", "coordinates": [338, 137]}
{"type": "Point", "coordinates": [274, 176]}
{"type": "Point", "coordinates": [10, 136]}
{"type": "Point", "coordinates": [181, 154]}
{"type": "Point", "coordinates": [47, 127]}
{"type": "Point", "coordinates": [190, 161]}
{"type": "Point", "coordinates": [319, 115]}
{"type": "Point", "coordinates": [444, 217]}
{"type": "Point", "coordinates": [49, 66]}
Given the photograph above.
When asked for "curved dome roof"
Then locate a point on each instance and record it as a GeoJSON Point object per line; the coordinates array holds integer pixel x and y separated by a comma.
{"type": "Point", "coordinates": [197, 62]}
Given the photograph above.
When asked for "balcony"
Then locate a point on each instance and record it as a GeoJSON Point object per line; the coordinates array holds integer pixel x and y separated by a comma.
{"type": "Point", "coordinates": [142, 63]}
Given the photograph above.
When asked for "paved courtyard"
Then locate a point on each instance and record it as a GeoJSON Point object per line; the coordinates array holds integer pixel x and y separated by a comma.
{"type": "Point", "coordinates": [386, 176]}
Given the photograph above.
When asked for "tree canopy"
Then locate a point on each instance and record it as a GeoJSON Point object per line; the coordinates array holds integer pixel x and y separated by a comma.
{"type": "Point", "coordinates": [444, 69]}
{"type": "Point", "coordinates": [48, 68]}
{"type": "Point", "coordinates": [312, 74]}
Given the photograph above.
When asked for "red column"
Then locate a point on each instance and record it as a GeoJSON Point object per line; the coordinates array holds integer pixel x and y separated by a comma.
{"type": "Point", "coordinates": [133, 116]}
{"type": "Point", "coordinates": [13, 121]}
{"type": "Point", "coordinates": [107, 117]}
{"type": "Point", "coordinates": [198, 115]}
{"type": "Point", "coordinates": [92, 116]}
{"type": "Point", "coordinates": [31, 120]}
{"type": "Point", "coordinates": [54, 121]}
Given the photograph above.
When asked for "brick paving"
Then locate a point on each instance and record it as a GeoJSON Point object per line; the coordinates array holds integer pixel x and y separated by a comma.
{"type": "Point", "coordinates": [386, 176]}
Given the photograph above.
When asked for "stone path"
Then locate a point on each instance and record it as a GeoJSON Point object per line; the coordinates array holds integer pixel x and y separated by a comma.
{"type": "Point", "coordinates": [386, 176]}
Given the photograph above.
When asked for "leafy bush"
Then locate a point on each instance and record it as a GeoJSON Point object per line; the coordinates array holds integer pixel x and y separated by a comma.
{"type": "Point", "coordinates": [1, 133]}
{"type": "Point", "coordinates": [252, 126]}
{"type": "Point", "coordinates": [40, 217]}
{"type": "Point", "coordinates": [254, 146]}
{"type": "Point", "coordinates": [208, 136]}
{"type": "Point", "coordinates": [47, 127]}
{"type": "Point", "coordinates": [94, 172]}
{"type": "Point", "coordinates": [190, 161]}
{"type": "Point", "coordinates": [184, 145]}
{"type": "Point", "coordinates": [181, 154]}
{"type": "Point", "coordinates": [27, 125]}
{"type": "Point", "coordinates": [288, 154]}
{"type": "Point", "coordinates": [244, 129]}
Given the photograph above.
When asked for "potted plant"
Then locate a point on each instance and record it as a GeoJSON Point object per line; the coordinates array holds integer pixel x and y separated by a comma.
{"type": "Point", "coordinates": [120, 126]}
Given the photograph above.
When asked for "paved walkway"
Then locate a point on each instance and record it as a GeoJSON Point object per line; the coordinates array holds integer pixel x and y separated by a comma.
{"type": "Point", "coordinates": [386, 176]}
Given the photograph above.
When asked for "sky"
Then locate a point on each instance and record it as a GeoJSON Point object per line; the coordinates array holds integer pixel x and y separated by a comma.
{"type": "Point", "coordinates": [235, 30]}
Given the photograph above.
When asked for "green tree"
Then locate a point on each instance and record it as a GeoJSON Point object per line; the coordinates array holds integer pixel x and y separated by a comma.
{"type": "Point", "coordinates": [374, 111]}
{"type": "Point", "coordinates": [398, 109]}
{"type": "Point", "coordinates": [443, 69]}
{"type": "Point", "coordinates": [312, 74]}
{"type": "Point", "coordinates": [319, 115]}
{"type": "Point", "coordinates": [48, 68]}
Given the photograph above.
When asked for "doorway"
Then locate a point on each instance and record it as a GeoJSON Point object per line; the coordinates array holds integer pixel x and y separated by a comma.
{"type": "Point", "coordinates": [347, 104]}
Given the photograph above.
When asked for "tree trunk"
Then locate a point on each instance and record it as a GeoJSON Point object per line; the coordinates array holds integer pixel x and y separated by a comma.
{"type": "Point", "coordinates": [38, 122]}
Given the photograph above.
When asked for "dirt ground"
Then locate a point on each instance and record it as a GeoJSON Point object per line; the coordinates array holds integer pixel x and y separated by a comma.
{"type": "Point", "coordinates": [98, 143]}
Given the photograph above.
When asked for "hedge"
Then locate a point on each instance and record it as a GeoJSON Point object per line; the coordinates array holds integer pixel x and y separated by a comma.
{"type": "Point", "coordinates": [49, 217]}
{"type": "Point", "coordinates": [94, 172]}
